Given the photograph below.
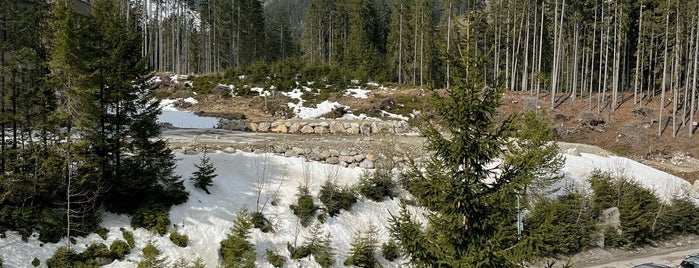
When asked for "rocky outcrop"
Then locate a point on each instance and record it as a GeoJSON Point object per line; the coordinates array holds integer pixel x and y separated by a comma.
{"type": "Point", "coordinates": [319, 127]}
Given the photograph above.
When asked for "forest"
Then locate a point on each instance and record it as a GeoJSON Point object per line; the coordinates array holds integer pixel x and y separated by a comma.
{"type": "Point", "coordinates": [607, 51]}
{"type": "Point", "coordinates": [78, 130]}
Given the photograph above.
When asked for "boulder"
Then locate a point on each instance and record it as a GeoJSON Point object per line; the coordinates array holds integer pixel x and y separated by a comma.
{"type": "Point", "coordinates": [294, 128]}
{"type": "Point", "coordinates": [281, 128]}
{"type": "Point", "coordinates": [307, 129]}
{"type": "Point", "coordinates": [332, 160]}
{"type": "Point", "coordinates": [252, 127]}
{"type": "Point", "coordinates": [347, 159]}
{"type": "Point", "coordinates": [610, 217]}
{"type": "Point", "coordinates": [359, 158]}
{"type": "Point", "coordinates": [320, 130]}
{"type": "Point", "coordinates": [353, 130]}
{"type": "Point", "coordinates": [263, 126]}
{"type": "Point", "coordinates": [336, 128]}
{"type": "Point", "coordinates": [367, 164]}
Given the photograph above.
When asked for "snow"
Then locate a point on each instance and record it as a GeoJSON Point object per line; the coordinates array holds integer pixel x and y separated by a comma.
{"type": "Point", "coordinates": [207, 219]}
{"type": "Point", "coordinates": [261, 91]}
{"type": "Point", "coordinates": [310, 112]}
{"type": "Point", "coordinates": [396, 116]}
{"type": "Point", "coordinates": [357, 93]}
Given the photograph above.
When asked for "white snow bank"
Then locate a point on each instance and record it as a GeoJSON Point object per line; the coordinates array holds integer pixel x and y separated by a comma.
{"type": "Point", "coordinates": [309, 112]}
{"type": "Point", "coordinates": [207, 219]}
{"type": "Point", "coordinates": [357, 93]}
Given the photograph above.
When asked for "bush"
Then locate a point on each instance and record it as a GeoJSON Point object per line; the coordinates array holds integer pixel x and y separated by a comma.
{"type": "Point", "coordinates": [561, 226]}
{"type": "Point", "coordinates": [102, 232]}
{"type": "Point", "coordinates": [638, 207]}
{"type": "Point", "coordinates": [275, 259]}
{"type": "Point", "coordinates": [236, 250]}
{"type": "Point", "coordinates": [154, 218]}
{"type": "Point", "coordinates": [35, 262]}
{"type": "Point", "coordinates": [317, 245]}
{"type": "Point", "coordinates": [259, 221]}
{"type": "Point", "coordinates": [304, 207]}
{"type": "Point", "coordinates": [335, 198]}
{"type": "Point", "coordinates": [390, 250]}
{"type": "Point", "coordinates": [363, 248]}
{"type": "Point", "coordinates": [119, 249]}
{"type": "Point", "coordinates": [377, 185]}
{"type": "Point", "coordinates": [95, 252]}
{"type": "Point", "coordinates": [128, 236]}
{"type": "Point", "coordinates": [151, 257]}
{"type": "Point", "coordinates": [64, 257]}
{"type": "Point", "coordinates": [679, 218]}
{"type": "Point", "coordinates": [179, 239]}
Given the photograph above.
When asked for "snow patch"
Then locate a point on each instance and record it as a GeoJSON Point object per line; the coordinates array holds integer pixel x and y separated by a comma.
{"type": "Point", "coordinates": [357, 93]}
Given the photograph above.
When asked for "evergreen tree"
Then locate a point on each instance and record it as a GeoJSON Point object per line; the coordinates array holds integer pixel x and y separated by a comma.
{"type": "Point", "coordinates": [236, 250]}
{"type": "Point", "coordinates": [473, 207]}
{"type": "Point", "coordinates": [151, 257]}
{"type": "Point", "coordinates": [204, 175]}
{"type": "Point", "coordinates": [363, 249]}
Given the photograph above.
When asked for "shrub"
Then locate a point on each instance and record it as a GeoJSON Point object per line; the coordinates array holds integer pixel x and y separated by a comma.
{"type": "Point", "coordinates": [94, 252]}
{"type": "Point", "coordinates": [304, 207]}
{"type": "Point", "coordinates": [638, 207]}
{"type": "Point", "coordinates": [179, 239]}
{"type": "Point", "coordinates": [64, 257]}
{"type": "Point", "coordinates": [35, 262]}
{"type": "Point", "coordinates": [151, 257]}
{"type": "Point", "coordinates": [119, 249]}
{"type": "Point", "coordinates": [154, 218]}
{"type": "Point", "coordinates": [236, 250]}
{"type": "Point", "coordinates": [317, 245]}
{"type": "Point", "coordinates": [377, 185]}
{"type": "Point", "coordinates": [128, 236]}
{"type": "Point", "coordinates": [335, 198]}
{"type": "Point", "coordinates": [390, 250]}
{"type": "Point", "coordinates": [275, 259]}
{"type": "Point", "coordinates": [679, 218]}
{"type": "Point", "coordinates": [363, 248]}
{"type": "Point", "coordinates": [259, 221]}
{"type": "Point", "coordinates": [561, 226]}
{"type": "Point", "coordinates": [102, 232]}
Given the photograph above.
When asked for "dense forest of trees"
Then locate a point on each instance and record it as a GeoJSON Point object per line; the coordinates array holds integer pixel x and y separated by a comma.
{"type": "Point", "coordinates": [78, 125]}
{"type": "Point", "coordinates": [609, 52]}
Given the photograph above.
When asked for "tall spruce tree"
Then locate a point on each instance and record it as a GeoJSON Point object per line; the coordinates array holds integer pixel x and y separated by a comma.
{"type": "Point", "coordinates": [472, 206]}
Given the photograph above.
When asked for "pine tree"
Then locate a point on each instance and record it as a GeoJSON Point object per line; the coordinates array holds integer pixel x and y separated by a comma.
{"type": "Point", "coordinates": [473, 207]}
{"type": "Point", "coordinates": [363, 249]}
{"type": "Point", "coordinates": [236, 250]}
{"type": "Point", "coordinates": [204, 175]}
{"type": "Point", "coordinates": [151, 257]}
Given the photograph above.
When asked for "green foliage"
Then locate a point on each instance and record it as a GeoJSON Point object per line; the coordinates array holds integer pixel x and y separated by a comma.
{"type": "Point", "coordinates": [377, 185]}
{"type": "Point", "coordinates": [184, 263]}
{"type": "Point", "coordinates": [64, 257]}
{"type": "Point", "coordinates": [128, 236]}
{"type": "Point", "coordinates": [102, 232]}
{"type": "Point", "coordinates": [390, 250]}
{"type": "Point", "coordinates": [639, 208]}
{"type": "Point", "coordinates": [275, 259]}
{"type": "Point", "coordinates": [179, 239]}
{"type": "Point", "coordinates": [204, 175]}
{"type": "Point", "coordinates": [336, 198]}
{"type": "Point", "coordinates": [35, 262]}
{"type": "Point", "coordinates": [154, 218]}
{"type": "Point", "coordinates": [236, 250]}
{"type": "Point", "coordinates": [363, 248]}
{"type": "Point", "coordinates": [304, 208]}
{"type": "Point", "coordinates": [680, 217]}
{"type": "Point", "coordinates": [473, 207]}
{"type": "Point", "coordinates": [560, 226]}
{"type": "Point", "coordinates": [318, 245]}
{"type": "Point", "coordinates": [151, 257]}
{"type": "Point", "coordinates": [259, 221]}
{"type": "Point", "coordinates": [119, 249]}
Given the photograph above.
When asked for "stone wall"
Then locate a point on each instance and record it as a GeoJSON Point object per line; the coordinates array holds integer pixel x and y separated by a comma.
{"type": "Point", "coordinates": [320, 127]}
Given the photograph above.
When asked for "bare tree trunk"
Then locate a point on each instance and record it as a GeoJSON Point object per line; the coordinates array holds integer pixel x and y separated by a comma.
{"type": "Point", "coordinates": [639, 55]}
{"type": "Point", "coordinates": [664, 85]}
{"type": "Point", "coordinates": [694, 79]}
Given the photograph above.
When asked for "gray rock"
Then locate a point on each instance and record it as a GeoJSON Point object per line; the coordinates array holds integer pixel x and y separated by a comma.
{"type": "Point", "coordinates": [252, 127]}
{"type": "Point", "coordinates": [334, 153]}
{"type": "Point", "coordinates": [325, 154]}
{"type": "Point", "coordinates": [352, 130]}
{"type": "Point", "coordinates": [336, 128]}
{"type": "Point", "coordinates": [367, 164]}
{"type": "Point", "coordinates": [610, 217]}
{"type": "Point", "coordinates": [359, 158]}
{"type": "Point", "coordinates": [332, 160]}
{"type": "Point", "coordinates": [347, 159]}
{"type": "Point", "coordinates": [294, 128]}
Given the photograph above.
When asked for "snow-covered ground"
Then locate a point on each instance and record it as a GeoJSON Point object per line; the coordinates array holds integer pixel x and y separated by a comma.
{"type": "Point", "coordinates": [207, 219]}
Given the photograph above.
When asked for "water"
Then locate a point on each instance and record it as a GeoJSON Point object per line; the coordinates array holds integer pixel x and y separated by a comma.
{"type": "Point", "coordinates": [185, 119]}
